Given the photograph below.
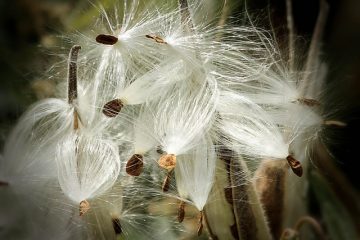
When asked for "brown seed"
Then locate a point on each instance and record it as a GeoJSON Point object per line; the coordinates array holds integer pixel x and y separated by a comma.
{"type": "Point", "coordinates": [308, 102]}
{"type": "Point", "coordinates": [166, 184]}
{"type": "Point", "coordinates": [181, 211]}
{"type": "Point", "coordinates": [112, 108]}
{"type": "Point", "coordinates": [134, 165]}
{"type": "Point", "coordinates": [84, 207]}
{"type": "Point", "coordinates": [200, 223]}
{"type": "Point", "coordinates": [167, 161]}
{"type": "Point", "coordinates": [117, 226]}
{"type": "Point", "coordinates": [295, 165]}
{"type": "Point", "coordinates": [156, 38]}
{"type": "Point", "coordinates": [106, 39]}
{"type": "Point", "coordinates": [335, 123]}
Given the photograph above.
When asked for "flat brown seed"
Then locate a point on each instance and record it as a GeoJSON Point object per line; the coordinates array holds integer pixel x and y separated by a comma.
{"type": "Point", "coordinates": [106, 39]}
{"type": "Point", "coordinates": [181, 212]}
{"type": "Point", "coordinates": [308, 102]}
{"type": "Point", "coordinates": [84, 207]}
{"type": "Point", "coordinates": [112, 108]}
{"type": "Point", "coordinates": [335, 123]}
{"type": "Point", "coordinates": [295, 165]}
{"type": "Point", "coordinates": [135, 165]}
{"type": "Point", "coordinates": [156, 38]}
{"type": "Point", "coordinates": [166, 184]}
{"type": "Point", "coordinates": [167, 161]}
{"type": "Point", "coordinates": [116, 226]}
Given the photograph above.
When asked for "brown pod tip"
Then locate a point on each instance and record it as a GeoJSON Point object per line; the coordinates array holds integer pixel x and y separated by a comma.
{"type": "Point", "coordinates": [112, 108]}
{"type": "Point", "coordinates": [295, 165]}
{"type": "Point", "coordinates": [200, 223]}
{"type": "Point", "coordinates": [166, 184]}
{"type": "Point", "coordinates": [156, 38]}
{"type": "Point", "coordinates": [135, 165]}
{"type": "Point", "coordinates": [167, 161]}
{"type": "Point", "coordinates": [3, 184]}
{"type": "Point", "coordinates": [106, 39]}
{"type": "Point", "coordinates": [84, 207]}
{"type": "Point", "coordinates": [181, 212]}
{"type": "Point", "coordinates": [116, 225]}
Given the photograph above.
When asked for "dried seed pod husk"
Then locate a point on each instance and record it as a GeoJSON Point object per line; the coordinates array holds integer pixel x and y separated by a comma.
{"type": "Point", "coordinates": [83, 207]}
{"type": "Point", "coordinates": [135, 165]}
{"type": "Point", "coordinates": [167, 161]}
{"type": "Point", "coordinates": [106, 39]}
{"type": "Point", "coordinates": [112, 108]}
{"type": "Point", "coordinates": [270, 179]}
{"type": "Point", "coordinates": [295, 165]}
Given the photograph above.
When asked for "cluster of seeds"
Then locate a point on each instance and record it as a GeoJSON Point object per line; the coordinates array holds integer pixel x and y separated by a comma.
{"type": "Point", "coordinates": [158, 105]}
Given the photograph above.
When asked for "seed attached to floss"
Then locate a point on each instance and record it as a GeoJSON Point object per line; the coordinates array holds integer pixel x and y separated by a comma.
{"type": "Point", "coordinates": [200, 223]}
{"type": "Point", "coordinates": [106, 39]}
{"type": "Point", "coordinates": [295, 165]}
{"type": "Point", "coordinates": [156, 38]}
{"type": "Point", "coordinates": [308, 102]}
{"type": "Point", "coordinates": [167, 161]}
{"type": "Point", "coordinates": [116, 225]}
{"type": "Point", "coordinates": [181, 212]}
{"type": "Point", "coordinates": [112, 108]}
{"type": "Point", "coordinates": [135, 165]}
{"type": "Point", "coordinates": [334, 123]}
{"type": "Point", "coordinates": [84, 207]}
